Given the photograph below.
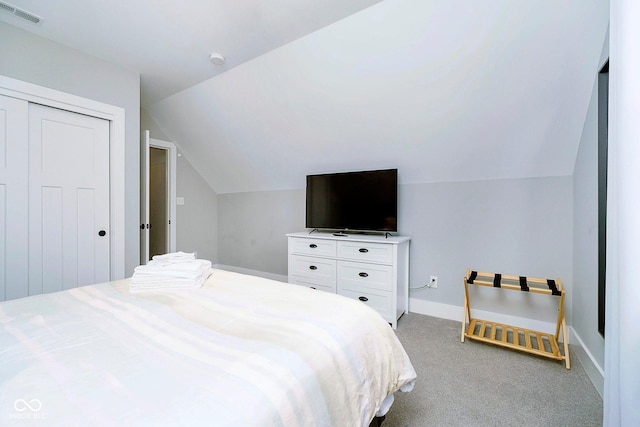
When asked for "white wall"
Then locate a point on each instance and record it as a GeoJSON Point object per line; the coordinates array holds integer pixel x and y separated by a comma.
{"type": "Point", "coordinates": [585, 241]}
{"type": "Point", "coordinates": [521, 226]}
{"type": "Point", "coordinates": [252, 228]}
{"type": "Point", "coordinates": [197, 228]}
{"type": "Point", "coordinates": [33, 59]}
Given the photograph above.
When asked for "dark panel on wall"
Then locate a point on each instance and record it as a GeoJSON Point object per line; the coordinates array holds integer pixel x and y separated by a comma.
{"type": "Point", "coordinates": [603, 137]}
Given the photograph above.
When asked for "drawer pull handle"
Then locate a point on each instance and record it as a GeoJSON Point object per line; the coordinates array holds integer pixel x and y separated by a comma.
{"type": "Point", "coordinates": [363, 275]}
{"type": "Point", "coordinates": [313, 246]}
{"type": "Point", "coordinates": [365, 299]}
{"type": "Point", "coordinates": [313, 267]}
{"type": "Point", "coordinates": [311, 287]}
{"type": "Point", "coordinates": [363, 250]}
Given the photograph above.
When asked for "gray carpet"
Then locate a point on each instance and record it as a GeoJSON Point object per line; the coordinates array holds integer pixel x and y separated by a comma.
{"type": "Point", "coordinates": [476, 384]}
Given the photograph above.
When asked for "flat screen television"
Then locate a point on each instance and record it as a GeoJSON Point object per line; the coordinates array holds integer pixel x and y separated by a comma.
{"type": "Point", "coordinates": [357, 201]}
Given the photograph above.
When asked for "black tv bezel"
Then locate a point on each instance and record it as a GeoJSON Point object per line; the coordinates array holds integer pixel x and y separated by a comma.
{"type": "Point", "coordinates": [348, 228]}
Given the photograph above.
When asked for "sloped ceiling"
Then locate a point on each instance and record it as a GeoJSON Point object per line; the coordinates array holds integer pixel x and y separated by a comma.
{"type": "Point", "coordinates": [443, 90]}
{"type": "Point", "coordinates": [169, 42]}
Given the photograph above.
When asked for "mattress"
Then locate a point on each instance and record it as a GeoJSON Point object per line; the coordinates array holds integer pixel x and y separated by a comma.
{"type": "Point", "coordinates": [240, 351]}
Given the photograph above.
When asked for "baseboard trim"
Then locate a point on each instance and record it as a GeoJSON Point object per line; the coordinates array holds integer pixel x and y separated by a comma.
{"type": "Point", "coordinates": [435, 309]}
{"type": "Point", "coordinates": [453, 312]}
{"type": "Point", "coordinates": [591, 366]}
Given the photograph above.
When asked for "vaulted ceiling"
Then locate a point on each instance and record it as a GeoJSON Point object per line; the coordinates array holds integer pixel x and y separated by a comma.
{"type": "Point", "coordinates": [444, 90]}
{"type": "Point", "coordinates": [169, 42]}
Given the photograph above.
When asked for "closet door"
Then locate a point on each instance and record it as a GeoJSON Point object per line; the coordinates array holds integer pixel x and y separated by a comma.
{"type": "Point", "coordinates": [68, 200]}
{"type": "Point", "coordinates": [14, 232]}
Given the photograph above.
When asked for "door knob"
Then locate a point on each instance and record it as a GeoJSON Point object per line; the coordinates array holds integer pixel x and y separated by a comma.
{"type": "Point", "coordinates": [102, 233]}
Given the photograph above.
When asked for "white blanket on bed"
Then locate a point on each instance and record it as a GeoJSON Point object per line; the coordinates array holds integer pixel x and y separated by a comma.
{"type": "Point", "coordinates": [240, 351]}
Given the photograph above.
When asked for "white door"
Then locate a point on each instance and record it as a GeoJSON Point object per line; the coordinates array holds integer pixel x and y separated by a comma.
{"type": "Point", "coordinates": [68, 199]}
{"type": "Point", "coordinates": [14, 204]}
{"type": "Point", "coordinates": [144, 198]}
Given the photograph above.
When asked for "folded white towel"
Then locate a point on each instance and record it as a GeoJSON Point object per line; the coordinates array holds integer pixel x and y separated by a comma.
{"type": "Point", "coordinates": [178, 270]}
{"type": "Point", "coordinates": [164, 263]}
{"type": "Point", "coordinates": [187, 270]}
{"type": "Point", "coordinates": [139, 278]}
{"type": "Point", "coordinates": [167, 283]}
{"type": "Point", "coordinates": [175, 256]}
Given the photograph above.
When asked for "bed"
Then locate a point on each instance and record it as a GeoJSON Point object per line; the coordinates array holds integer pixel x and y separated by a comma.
{"type": "Point", "coordinates": [240, 351]}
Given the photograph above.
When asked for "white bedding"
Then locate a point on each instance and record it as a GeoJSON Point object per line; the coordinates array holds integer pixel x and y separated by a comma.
{"type": "Point", "coordinates": [240, 351]}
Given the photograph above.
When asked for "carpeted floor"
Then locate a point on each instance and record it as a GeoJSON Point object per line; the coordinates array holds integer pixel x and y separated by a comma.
{"type": "Point", "coordinates": [476, 384]}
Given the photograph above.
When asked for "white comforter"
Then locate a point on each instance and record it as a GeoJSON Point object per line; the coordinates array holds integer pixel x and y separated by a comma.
{"type": "Point", "coordinates": [240, 351]}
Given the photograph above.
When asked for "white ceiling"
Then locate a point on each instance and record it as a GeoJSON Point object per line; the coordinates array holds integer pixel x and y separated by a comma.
{"type": "Point", "coordinates": [169, 42]}
{"type": "Point", "coordinates": [445, 90]}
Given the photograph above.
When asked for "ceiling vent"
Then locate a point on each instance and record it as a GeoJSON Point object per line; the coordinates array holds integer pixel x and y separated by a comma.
{"type": "Point", "coordinates": [22, 14]}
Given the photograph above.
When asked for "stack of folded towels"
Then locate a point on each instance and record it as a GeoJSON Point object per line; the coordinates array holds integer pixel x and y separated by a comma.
{"type": "Point", "coordinates": [178, 270]}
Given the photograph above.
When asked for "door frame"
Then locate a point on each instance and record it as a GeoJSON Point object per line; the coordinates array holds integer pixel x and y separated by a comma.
{"type": "Point", "coordinates": [172, 156]}
{"type": "Point", "coordinates": [171, 197]}
{"type": "Point", "coordinates": [116, 116]}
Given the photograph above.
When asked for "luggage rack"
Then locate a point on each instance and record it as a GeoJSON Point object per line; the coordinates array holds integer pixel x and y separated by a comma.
{"type": "Point", "coordinates": [522, 339]}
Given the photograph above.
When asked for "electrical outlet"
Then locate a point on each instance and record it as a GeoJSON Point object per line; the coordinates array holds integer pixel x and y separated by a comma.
{"type": "Point", "coordinates": [433, 281]}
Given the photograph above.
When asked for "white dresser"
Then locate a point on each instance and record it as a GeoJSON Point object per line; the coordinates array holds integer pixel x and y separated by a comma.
{"type": "Point", "coordinates": [370, 268]}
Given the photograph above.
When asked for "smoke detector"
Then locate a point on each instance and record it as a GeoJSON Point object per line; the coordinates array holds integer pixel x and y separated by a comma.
{"type": "Point", "coordinates": [216, 58]}
{"type": "Point", "coordinates": [20, 13]}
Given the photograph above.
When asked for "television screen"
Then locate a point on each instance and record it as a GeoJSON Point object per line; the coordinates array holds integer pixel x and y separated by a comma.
{"type": "Point", "coordinates": [366, 201]}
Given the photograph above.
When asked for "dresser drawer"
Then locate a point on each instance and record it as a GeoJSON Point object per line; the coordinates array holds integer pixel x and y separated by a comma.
{"type": "Point", "coordinates": [313, 284]}
{"type": "Point", "coordinates": [379, 301]}
{"type": "Point", "coordinates": [318, 270]}
{"type": "Point", "coordinates": [366, 251]}
{"type": "Point", "coordinates": [357, 275]}
{"type": "Point", "coordinates": [320, 247]}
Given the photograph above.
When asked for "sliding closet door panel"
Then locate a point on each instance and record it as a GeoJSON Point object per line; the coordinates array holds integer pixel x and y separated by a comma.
{"type": "Point", "coordinates": [51, 238]}
{"type": "Point", "coordinates": [69, 199]}
{"type": "Point", "coordinates": [3, 237]}
{"type": "Point", "coordinates": [14, 255]}
{"type": "Point", "coordinates": [86, 226]}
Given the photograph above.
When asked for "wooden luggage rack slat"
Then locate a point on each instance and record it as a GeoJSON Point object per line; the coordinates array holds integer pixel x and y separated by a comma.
{"type": "Point", "coordinates": [527, 340]}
